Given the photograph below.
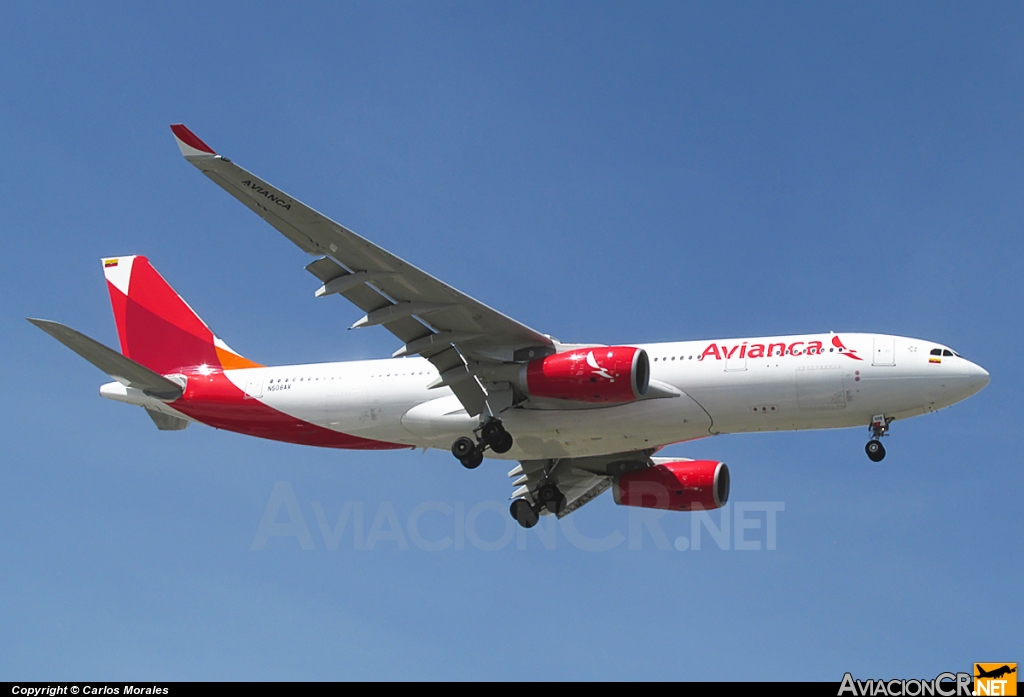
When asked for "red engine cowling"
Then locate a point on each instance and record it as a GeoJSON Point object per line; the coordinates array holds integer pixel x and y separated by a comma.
{"type": "Point", "coordinates": [610, 374]}
{"type": "Point", "coordinates": [679, 486]}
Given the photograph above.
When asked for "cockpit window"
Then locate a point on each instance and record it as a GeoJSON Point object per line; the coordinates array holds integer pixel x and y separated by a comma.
{"type": "Point", "coordinates": [936, 352]}
{"type": "Point", "coordinates": [947, 352]}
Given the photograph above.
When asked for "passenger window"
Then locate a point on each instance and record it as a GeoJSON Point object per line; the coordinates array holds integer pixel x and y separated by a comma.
{"type": "Point", "coordinates": [936, 352]}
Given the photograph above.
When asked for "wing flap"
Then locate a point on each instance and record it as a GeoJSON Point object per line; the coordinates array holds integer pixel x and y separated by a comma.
{"type": "Point", "coordinates": [586, 492]}
{"type": "Point", "coordinates": [581, 479]}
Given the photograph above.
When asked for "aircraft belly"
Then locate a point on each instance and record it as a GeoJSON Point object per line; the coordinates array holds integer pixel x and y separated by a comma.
{"type": "Point", "coordinates": [439, 421]}
{"type": "Point", "coordinates": [545, 433]}
{"type": "Point", "coordinates": [585, 432]}
{"type": "Point", "coordinates": [370, 413]}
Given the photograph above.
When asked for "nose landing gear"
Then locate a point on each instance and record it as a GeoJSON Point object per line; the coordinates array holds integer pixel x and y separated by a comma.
{"type": "Point", "coordinates": [879, 427]}
{"type": "Point", "coordinates": [875, 450]}
{"type": "Point", "coordinates": [490, 435]}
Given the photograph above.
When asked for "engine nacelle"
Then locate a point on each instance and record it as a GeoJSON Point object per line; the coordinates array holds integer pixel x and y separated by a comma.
{"type": "Point", "coordinates": [609, 374]}
{"type": "Point", "coordinates": [679, 486]}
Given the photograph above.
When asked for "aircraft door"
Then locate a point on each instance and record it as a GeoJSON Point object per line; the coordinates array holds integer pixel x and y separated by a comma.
{"type": "Point", "coordinates": [254, 387]}
{"type": "Point", "coordinates": [885, 351]}
{"type": "Point", "coordinates": [734, 362]}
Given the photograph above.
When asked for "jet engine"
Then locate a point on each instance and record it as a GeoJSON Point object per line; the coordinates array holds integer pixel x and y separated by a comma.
{"type": "Point", "coordinates": [608, 374]}
{"type": "Point", "coordinates": [684, 485]}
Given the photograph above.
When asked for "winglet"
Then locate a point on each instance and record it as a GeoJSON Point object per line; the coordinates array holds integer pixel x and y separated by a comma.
{"type": "Point", "coordinates": [189, 143]}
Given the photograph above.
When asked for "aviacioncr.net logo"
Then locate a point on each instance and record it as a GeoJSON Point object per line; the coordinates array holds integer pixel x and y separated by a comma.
{"type": "Point", "coordinates": [943, 685]}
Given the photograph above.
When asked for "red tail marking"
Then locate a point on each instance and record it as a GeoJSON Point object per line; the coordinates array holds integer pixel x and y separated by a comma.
{"type": "Point", "coordinates": [159, 330]}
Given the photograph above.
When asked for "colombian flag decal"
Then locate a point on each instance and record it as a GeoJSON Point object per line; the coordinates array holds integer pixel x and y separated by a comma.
{"type": "Point", "coordinates": [109, 262]}
{"type": "Point", "coordinates": [935, 359]}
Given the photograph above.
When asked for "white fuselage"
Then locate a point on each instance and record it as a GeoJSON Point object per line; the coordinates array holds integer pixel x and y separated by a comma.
{"type": "Point", "coordinates": [726, 386]}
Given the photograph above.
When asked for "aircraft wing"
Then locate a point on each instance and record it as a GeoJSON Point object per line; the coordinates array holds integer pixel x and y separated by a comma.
{"type": "Point", "coordinates": [452, 330]}
{"type": "Point", "coordinates": [581, 479]}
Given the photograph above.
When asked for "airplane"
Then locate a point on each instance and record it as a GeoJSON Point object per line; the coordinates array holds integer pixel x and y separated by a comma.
{"type": "Point", "coordinates": [579, 418]}
{"type": "Point", "coordinates": [995, 673]}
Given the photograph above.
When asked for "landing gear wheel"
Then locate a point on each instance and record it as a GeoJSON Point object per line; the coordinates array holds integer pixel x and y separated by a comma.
{"type": "Point", "coordinates": [463, 447]}
{"type": "Point", "coordinates": [503, 444]}
{"type": "Point", "coordinates": [552, 499]}
{"type": "Point", "coordinates": [524, 513]}
{"type": "Point", "coordinates": [473, 460]}
{"type": "Point", "coordinates": [875, 450]}
{"type": "Point", "coordinates": [558, 505]}
{"type": "Point", "coordinates": [493, 432]}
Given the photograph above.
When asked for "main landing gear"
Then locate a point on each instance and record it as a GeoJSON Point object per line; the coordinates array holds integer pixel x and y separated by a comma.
{"type": "Point", "coordinates": [491, 434]}
{"type": "Point", "coordinates": [548, 496]}
{"type": "Point", "coordinates": [552, 498]}
{"type": "Point", "coordinates": [524, 513]}
{"type": "Point", "coordinates": [879, 427]}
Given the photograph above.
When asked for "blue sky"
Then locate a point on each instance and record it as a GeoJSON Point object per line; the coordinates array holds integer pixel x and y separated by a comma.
{"type": "Point", "coordinates": [602, 172]}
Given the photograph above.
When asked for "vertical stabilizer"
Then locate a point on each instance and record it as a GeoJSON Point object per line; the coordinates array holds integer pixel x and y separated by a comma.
{"type": "Point", "coordinates": [156, 327]}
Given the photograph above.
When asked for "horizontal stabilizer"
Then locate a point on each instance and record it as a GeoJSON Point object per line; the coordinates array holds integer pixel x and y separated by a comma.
{"type": "Point", "coordinates": [124, 370]}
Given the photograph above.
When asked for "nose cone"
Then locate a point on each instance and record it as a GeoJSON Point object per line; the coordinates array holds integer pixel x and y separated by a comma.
{"type": "Point", "coordinates": [977, 377]}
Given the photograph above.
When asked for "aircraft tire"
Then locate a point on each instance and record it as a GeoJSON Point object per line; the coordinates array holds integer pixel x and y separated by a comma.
{"type": "Point", "coordinates": [503, 444]}
{"type": "Point", "coordinates": [558, 504]}
{"type": "Point", "coordinates": [523, 513]}
{"type": "Point", "coordinates": [473, 460]}
{"type": "Point", "coordinates": [463, 447]}
{"type": "Point", "coordinates": [875, 450]}
{"type": "Point", "coordinates": [493, 432]}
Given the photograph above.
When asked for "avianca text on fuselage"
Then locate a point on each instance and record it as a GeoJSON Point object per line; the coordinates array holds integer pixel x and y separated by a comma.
{"type": "Point", "coordinates": [769, 350]}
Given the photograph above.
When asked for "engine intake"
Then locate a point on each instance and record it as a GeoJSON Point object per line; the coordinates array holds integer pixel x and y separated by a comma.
{"type": "Point", "coordinates": [609, 374]}
{"type": "Point", "coordinates": [685, 485]}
